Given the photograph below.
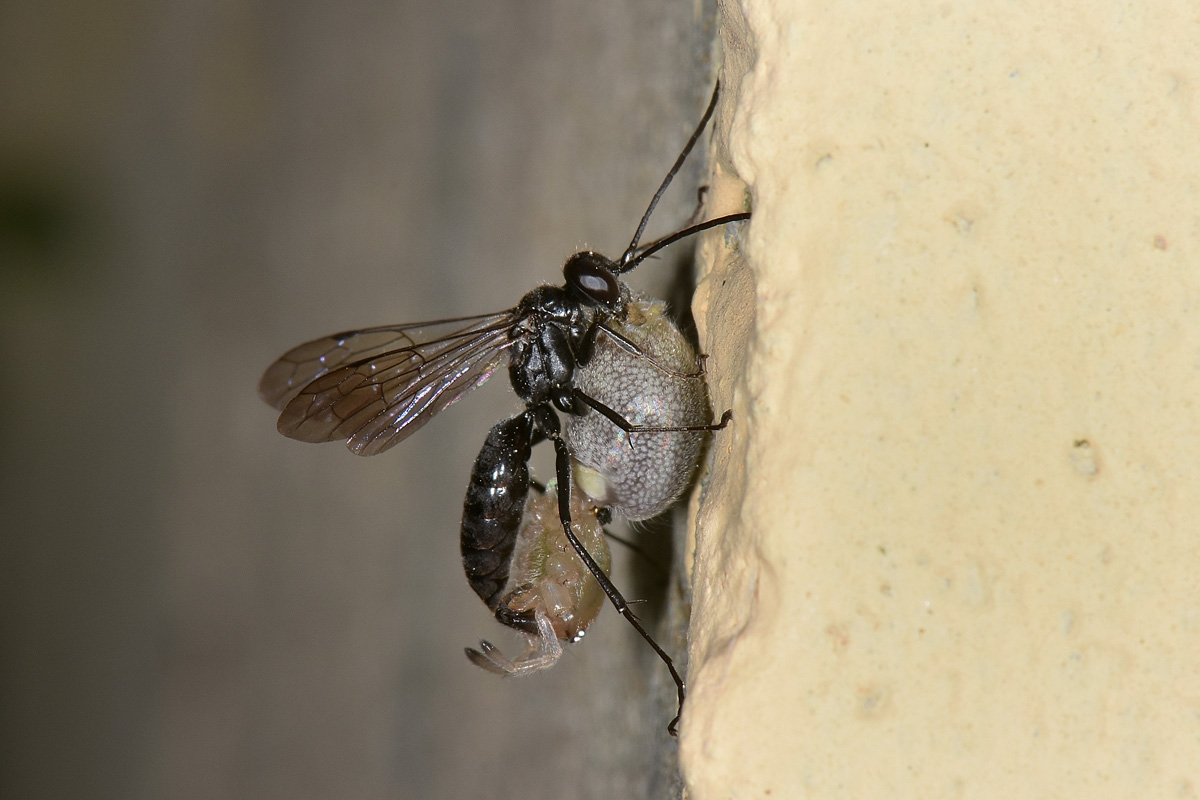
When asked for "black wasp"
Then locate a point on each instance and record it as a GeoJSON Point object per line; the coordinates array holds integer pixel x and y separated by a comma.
{"type": "Point", "coordinates": [612, 364]}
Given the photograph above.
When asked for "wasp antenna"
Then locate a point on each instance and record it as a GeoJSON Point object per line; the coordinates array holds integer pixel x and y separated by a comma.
{"type": "Point", "coordinates": [631, 251]}
{"type": "Point", "coordinates": [692, 230]}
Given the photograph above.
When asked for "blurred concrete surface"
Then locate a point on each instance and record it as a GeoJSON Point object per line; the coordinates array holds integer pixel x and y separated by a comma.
{"type": "Point", "coordinates": [190, 604]}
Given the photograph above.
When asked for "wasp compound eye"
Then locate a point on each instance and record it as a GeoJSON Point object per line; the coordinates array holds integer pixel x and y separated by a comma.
{"type": "Point", "coordinates": [590, 276]}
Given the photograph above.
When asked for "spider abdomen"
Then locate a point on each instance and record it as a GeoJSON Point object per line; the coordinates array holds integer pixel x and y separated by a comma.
{"type": "Point", "coordinates": [659, 385]}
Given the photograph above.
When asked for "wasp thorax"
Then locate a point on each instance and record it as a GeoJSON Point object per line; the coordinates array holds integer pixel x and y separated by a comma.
{"type": "Point", "coordinates": [551, 327]}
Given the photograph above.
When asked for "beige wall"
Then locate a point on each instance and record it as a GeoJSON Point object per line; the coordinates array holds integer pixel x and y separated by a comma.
{"type": "Point", "coordinates": [951, 543]}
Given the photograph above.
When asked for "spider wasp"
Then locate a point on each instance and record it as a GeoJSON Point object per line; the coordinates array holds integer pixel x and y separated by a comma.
{"type": "Point", "coordinates": [605, 376]}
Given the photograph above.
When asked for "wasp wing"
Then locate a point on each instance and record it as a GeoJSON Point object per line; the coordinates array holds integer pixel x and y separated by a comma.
{"type": "Point", "coordinates": [374, 387]}
{"type": "Point", "coordinates": [299, 366]}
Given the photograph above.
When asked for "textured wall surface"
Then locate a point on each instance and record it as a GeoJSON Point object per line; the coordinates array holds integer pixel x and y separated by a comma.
{"type": "Point", "coordinates": [949, 547]}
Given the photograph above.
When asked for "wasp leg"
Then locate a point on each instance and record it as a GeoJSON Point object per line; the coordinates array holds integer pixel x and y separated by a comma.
{"type": "Point", "coordinates": [627, 426]}
{"type": "Point", "coordinates": [636, 352]}
{"type": "Point", "coordinates": [562, 464]}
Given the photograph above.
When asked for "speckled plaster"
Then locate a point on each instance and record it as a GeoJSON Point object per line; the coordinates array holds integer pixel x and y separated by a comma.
{"type": "Point", "coordinates": [948, 547]}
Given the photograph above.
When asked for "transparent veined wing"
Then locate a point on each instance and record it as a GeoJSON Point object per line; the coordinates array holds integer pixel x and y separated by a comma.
{"type": "Point", "coordinates": [374, 387]}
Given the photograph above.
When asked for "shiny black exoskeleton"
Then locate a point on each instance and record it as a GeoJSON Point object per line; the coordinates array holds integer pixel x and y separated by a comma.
{"type": "Point", "coordinates": [494, 506]}
{"type": "Point", "coordinates": [557, 324]}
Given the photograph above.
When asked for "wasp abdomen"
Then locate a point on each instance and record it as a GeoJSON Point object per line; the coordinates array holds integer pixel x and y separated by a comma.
{"type": "Point", "coordinates": [494, 506]}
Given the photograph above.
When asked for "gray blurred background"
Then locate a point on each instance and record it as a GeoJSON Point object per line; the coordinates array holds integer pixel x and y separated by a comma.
{"type": "Point", "coordinates": [190, 604]}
